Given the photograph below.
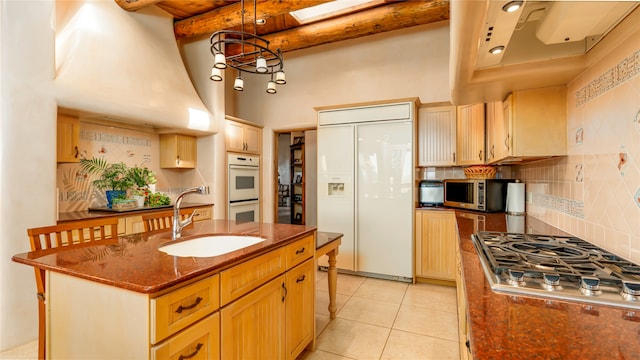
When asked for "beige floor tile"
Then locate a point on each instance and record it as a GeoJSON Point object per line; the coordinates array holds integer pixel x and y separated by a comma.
{"type": "Point", "coordinates": [347, 284]}
{"type": "Point", "coordinates": [321, 323]}
{"type": "Point", "coordinates": [321, 276]}
{"type": "Point", "coordinates": [25, 351]}
{"type": "Point", "coordinates": [404, 345]}
{"type": "Point", "coordinates": [353, 339]}
{"type": "Point", "coordinates": [322, 302]}
{"type": "Point", "coordinates": [383, 290]}
{"type": "Point", "coordinates": [434, 297]}
{"type": "Point", "coordinates": [321, 355]}
{"type": "Point", "coordinates": [428, 322]}
{"type": "Point", "coordinates": [369, 311]}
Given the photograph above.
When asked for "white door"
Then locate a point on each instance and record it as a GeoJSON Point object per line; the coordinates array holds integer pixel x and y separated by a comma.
{"type": "Point", "coordinates": [335, 189]}
{"type": "Point", "coordinates": [384, 198]}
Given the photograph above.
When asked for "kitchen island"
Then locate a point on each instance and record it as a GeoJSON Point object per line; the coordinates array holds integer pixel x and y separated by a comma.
{"type": "Point", "coordinates": [505, 326]}
{"type": "Point", "coordinates": [130, 300]}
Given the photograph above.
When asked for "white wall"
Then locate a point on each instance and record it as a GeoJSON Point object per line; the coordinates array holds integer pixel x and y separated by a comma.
{"type": "Point", "coordinates": [405, 63]}
{"type": "Point", "coordinates": [27, 156]}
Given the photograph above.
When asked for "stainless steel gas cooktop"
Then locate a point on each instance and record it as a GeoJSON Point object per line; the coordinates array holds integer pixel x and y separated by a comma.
{"type": "Point", "coordinates": [560, 267]}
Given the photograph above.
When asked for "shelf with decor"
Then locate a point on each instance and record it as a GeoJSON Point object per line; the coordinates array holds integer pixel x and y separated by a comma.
{"type": "Point", "coordinates": [297, 183]}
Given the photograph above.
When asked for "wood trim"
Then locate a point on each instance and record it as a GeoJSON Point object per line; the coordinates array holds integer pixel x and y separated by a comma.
{"type": "Point", "coordinates": [415, 100]}
{"type": "Point", "coordinates": [242, 121]}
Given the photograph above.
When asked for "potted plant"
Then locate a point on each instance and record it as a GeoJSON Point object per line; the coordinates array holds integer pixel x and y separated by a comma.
{"type": "Point", "coordinates": [142, 177]}
{"type": "Point", "coordinates": [114, 178]}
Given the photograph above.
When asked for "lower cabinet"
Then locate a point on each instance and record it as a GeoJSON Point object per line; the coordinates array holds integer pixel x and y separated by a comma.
{"type": "Point", "coordinates": [435, 244]}
{"type": "Point", "coordinates": [463, 327]}
{"type": "Point", "coordinates": [262, 308]}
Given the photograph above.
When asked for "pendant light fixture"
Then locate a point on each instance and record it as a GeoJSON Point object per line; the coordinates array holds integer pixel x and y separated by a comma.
{"type": "Point", "coordinates": [246, 52]}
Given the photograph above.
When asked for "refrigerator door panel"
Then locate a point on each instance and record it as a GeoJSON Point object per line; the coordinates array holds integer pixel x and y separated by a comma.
{"type": "Point", "coordinates": [384, 188]}
{"type": "Point", "coordinates": [336, 189]}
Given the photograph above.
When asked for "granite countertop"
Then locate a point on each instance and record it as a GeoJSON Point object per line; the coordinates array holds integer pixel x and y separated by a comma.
{"type": "Point", "coordinates": [135, 263]}
{"type": "Point", "coordinates": [94, 214]}
{"type": "Point", "coordinates": [505, 326]}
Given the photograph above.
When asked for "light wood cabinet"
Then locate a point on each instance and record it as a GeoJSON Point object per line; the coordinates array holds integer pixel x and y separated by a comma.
{"type": "Point", "coordinates": [242, 137]}
{"type": "Point", "coordinates": [252, 327]}
{"type": "Point", "coordinates": [535, 122]}
{"type": "Point", "coordinates": [497, 130]}
{"type": "Point", "coordinates": [297, 174]}
{"type": "Point", "coordinates": [300, 309]}
{"type": "Point", "coordinates": [470, 134]}
{"type": "Point", "coordinates": [435, 244]}
{"type": "Point", "coordinates": [462, 307]}
{"type": "Point", "coordinates": [134, 224]}
{"type": "Point", "coordinates": [259, 309]}
{"type": "Point", "coordinates": [437, 136]}
{"type": "Point", "coordinates": [178, 151]}
{"type": "Point", "coordinates": [68, 139]}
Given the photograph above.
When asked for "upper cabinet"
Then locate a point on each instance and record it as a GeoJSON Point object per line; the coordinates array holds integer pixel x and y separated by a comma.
{"type": "Point", "coordinates": [68, 138]}
{"type": "Point", "coordinates": [470, 135]}
{"type": "Point", "coordinates": [533, 125]}
{"type": "Point", "coordinates": [497, 130]}
{"type": "Point", "coordinates": [243, 137]}
{"type": "Point", "coordinates": [178, 151]}
{"type": "Point", "coordinates": [437, 136]}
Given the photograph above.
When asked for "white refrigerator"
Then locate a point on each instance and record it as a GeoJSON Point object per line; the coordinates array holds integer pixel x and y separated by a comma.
{"type": "Point", "coordinates": [365, 187]}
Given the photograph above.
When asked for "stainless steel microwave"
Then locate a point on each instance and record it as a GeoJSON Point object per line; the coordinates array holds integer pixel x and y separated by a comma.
{"type": "Point", "coordinates": [487, 195]}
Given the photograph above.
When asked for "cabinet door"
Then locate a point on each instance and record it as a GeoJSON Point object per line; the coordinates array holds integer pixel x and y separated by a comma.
{"type": "Point", "coordinates": [253, 327]}
{"type": "Point", "coordinates": [300, 308]}
{"type": "Point", "coordinates": [252, 137]}
{"type": "Point", "coordinates": [470, 135]}
{"type": "Point", "coordinates": [234, 135]}
{"type": "Point", "coordinates": [437, 136]}
{"type": "Point", "coordinates": [495, 131]}
{"type": "Point", "coordinates": [68, 138]}
{"type": "Point", "coordinates": [435, 244]}
{"type": "Point", "coordinates": [178, 151]}
{"type": "Point", "coordinates": [134, 225]}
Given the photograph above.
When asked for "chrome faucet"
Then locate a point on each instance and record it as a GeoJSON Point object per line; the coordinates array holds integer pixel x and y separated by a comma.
{"type": "Point", "coordinates": [178, 224]}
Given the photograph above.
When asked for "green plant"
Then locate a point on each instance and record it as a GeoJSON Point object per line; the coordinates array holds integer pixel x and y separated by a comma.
{"type": "Point", "coordinates": [112, 176]}
{"type": "Point", "coordinates": [141, 177]}
{"type": "Point", "coordinates": [158, 199]}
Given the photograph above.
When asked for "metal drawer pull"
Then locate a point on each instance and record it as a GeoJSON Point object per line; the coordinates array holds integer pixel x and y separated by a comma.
{"type": "Point", "coordinates": [299, 251]}
{"type": "Point", "coordinates": [284, 295]}
{"type": "Point", "coordinates": [182, 308]}
{"type": "Point", "coordinates": [198, 347]}
{"type": "Point", "coordinates": [300, 279]}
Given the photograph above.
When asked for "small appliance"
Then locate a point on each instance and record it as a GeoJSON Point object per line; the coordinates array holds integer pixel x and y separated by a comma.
{"type": "Point", "coordinates": [431, 193]}
{"type": "Point", "coordinates": [488, 195]}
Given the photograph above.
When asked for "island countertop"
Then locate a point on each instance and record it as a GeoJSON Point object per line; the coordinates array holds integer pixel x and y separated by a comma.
{"type": "Point", "coordinates": [505, 326]}
{"type": "Point", "coordinates": [135, 263]}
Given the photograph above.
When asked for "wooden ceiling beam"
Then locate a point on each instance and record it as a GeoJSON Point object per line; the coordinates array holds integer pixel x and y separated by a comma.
{"type": "Point", "coordinates": [134, 5]}
{"type": "Point", "coordinates": [230, 16]}
{"type": "Point", "coordinates": [394, 16]}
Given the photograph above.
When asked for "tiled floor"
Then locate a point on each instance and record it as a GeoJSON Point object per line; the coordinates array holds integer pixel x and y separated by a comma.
{"type": "Point", "coordinates": [380, 319]}
{"type": "Point", "coordinates": [376, 319]}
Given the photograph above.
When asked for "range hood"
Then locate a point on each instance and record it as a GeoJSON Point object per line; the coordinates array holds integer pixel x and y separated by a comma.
{"type": "Point", "coordinates": [543, 30]}
{"type": "Point", "coordinates": [546, 43]}
{"type": "Point", "coordinates": [121, 66]}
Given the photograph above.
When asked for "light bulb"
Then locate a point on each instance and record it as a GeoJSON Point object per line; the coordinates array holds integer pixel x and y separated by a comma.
{"type": "Point", "coordinates": [271, 87]}
{"type": "Point", "coordinates": [220, 61]}
{"type": "Point", "coordinates": [238, 84]}
{"type": "Point", "coordinates": [261, 65]}
{"type": "Point", "coordinates": [280, 78]}
{"type": "Point", "coordinates": [216, 74]}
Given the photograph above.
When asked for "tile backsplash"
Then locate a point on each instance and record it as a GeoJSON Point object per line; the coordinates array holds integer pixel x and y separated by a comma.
{"type": "Point", "coordinates": [594, 192]}
{"type": "Point", "coordinates": [133, 146]}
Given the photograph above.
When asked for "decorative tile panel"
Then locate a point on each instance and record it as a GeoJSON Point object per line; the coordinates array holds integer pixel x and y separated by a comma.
{"type": "Point", "coordinates": [623, 71]}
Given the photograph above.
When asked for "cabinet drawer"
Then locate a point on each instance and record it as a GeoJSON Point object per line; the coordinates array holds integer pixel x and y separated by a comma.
{"type": "Point", "coordinates": [203, 213]}
{"type": "Point", "coordinates": [200, 341]}
{"type": "Point", "coordinates": [300, 250]}
{"type": "Point", "coordinates": [247, 276]}
{"type": "Point", "coordinates": [181, 308]}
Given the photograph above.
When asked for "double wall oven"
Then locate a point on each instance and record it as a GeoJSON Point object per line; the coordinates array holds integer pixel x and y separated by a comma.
{"type": "Point", "coordinates": [244, 188]}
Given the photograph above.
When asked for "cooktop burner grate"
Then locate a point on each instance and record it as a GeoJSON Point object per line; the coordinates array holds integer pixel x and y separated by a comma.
{"type": "Point", "coordinates": [558, 266]}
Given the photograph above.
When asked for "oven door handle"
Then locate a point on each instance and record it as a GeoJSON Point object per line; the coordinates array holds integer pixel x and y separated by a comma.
{"type": "Point", "coordinates": [244, 167]}
{"type": "Point", "coordinates": [243, 202]}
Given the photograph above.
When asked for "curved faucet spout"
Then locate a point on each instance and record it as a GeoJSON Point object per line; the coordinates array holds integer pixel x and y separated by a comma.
{"type": "Point", "coordinates": [178, 224]}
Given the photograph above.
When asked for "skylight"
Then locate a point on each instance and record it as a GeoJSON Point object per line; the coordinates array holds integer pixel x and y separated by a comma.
{"type": "Point", "coordinates": [331, 9]}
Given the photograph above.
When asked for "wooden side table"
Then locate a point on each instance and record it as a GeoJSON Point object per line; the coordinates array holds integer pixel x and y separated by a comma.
{"type": "Point", "coordinates": [327, 243]}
